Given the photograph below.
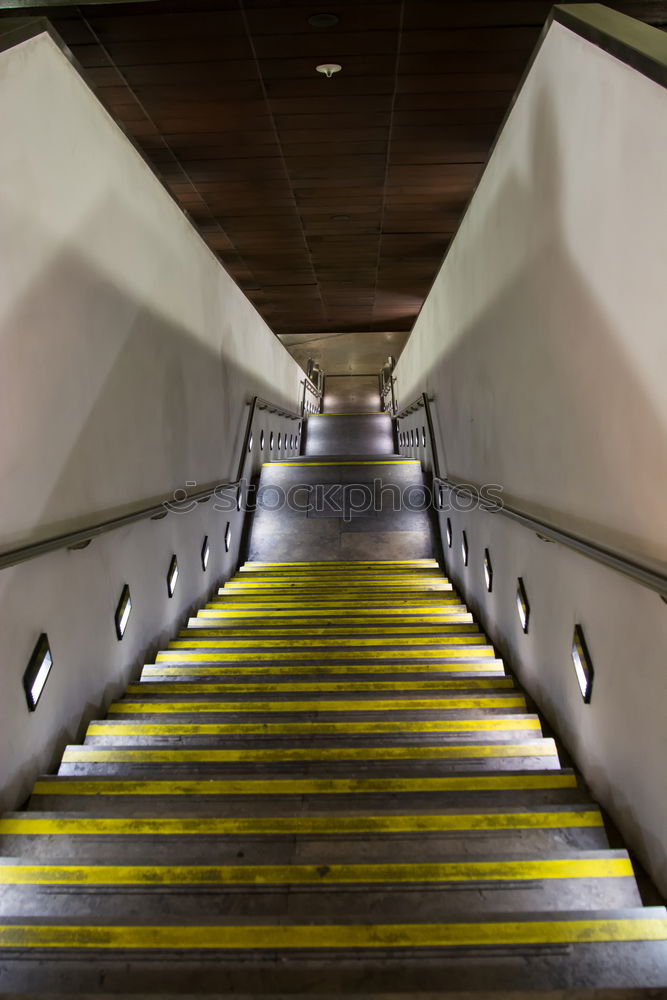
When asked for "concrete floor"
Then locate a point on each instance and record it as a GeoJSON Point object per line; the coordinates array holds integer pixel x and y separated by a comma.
{"type": "Point", "coordinates": [343, 511]}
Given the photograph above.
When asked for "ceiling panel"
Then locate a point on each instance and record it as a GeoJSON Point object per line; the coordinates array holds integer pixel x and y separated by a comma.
{"type": "Point", "coordinates": [330, 201]}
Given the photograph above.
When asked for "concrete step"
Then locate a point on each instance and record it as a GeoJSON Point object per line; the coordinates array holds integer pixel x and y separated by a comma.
{"type": "Point", "coordinates": [442, 890]}
{"type": "Point", "coordinates": [307, 837]}
{"type": "Point", "coordinates": [406, 685]}
{"type": "Point", "coordinates": [448, 615]}
{"type": "Point", "coordinates": [375, 732]}
{"type": "Point", "coordinates": [454, 791]}
{"type": "Point", "coordinates": [315, 760]}
{"type": "Point", "coordinates": [326, 672]}
{"type": "Point", "coordinates": [266, 629]}
{"type": "Point", "coordinates": [339, 600]}
{"type": "Point", "coordinates": [314, 641]}
{"type": "Point", "coordinates": [541, 951]}
{"type": "Point", "coordinates": [350, 565]}
{"type": "Point", "coordinates": [339, 707]}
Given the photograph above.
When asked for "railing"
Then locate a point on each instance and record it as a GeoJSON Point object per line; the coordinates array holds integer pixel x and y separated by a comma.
{"type": "Point", "coordinates": [653, 579]}
{"type": "Point", "coordinates": [316, 391]}
{"type": "Point", "coordinates": [387, 386]}
{"type": "Point", "coordinates": [82, 537]}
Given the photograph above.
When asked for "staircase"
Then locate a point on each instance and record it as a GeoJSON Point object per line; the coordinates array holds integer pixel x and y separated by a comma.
{"type": "Point", "coordinates": [328, 785]}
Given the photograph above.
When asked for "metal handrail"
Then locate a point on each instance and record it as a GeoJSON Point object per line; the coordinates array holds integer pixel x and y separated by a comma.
{"type": "Point", "coordinates": [81, 538]}
{"type": "Point", "coordinates": [653, 579]}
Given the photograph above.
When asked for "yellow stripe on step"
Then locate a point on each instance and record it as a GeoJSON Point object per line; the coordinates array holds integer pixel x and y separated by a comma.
{"type": "Point", "coordinates": [98, 755]}
{"type": "Point", "coordinates": [181, 654]}
{"type": "Point", "coordinates": [493, 667]}
{"type": "Point", "coordinates": [277, 937]}
{"type": "Point", "coordinates": [372, 583]}
{"type": "Point", "coordinates": [253, 564]}
{"type": "Point", "coordinates": [364, 874]}
{"type": "Point", "coordinates": [303, 824]}
{"type": "Point", "coordinates": [506, 781]}
{"type": "Point", "coordinates": [352, 687]}
{"type": "Point", "coordinates": [395, 727]}
{"type": "Point", "coordinates": [450, 615]}
{"type": "Point", "coordinates": [377, 461]}
{"type": "Point", "coordinates": [323, 705]}
{"type": "Point", "coordinates": [334, 641]}
{"type": "Point", "coordinates": [457, 633]}
{"type": "Point", "coordinates": [340, 604]}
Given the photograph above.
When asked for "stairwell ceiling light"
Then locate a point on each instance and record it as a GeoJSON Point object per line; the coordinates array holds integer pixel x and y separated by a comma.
{"type": "Point", "coordinates": [323, 20]}
{"type": "Point", "coordinates": [328, 69]}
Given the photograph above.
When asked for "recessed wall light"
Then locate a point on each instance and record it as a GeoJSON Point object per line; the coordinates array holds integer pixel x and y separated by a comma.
{"type": "Point", "coordinates": [323, 20]}
{"type": "Point", "coordinates": [205, 554]}
{"type": "Point", "coordinates": [522, 605]}
{"type": "Point", "coordinates": [450, 533]}
{"type": "Point", "coordinates": [488, 570]}
{"type": "Point", "coordinates": [250, 443]}
{"type": "Point", "coordinates": [464, 548]}
{"type": "Point", "coordinates": [37, 671]}
{"type": "Point", "coordinates": [271, 441]}
{"type": "Point", "coordinates": [228, 536]}
{"type": "Point", "coordinates": [583, 664]}
{"type": "Point", "coordinates": [172, 576]}
{"type": "Point", "coordinates": [261, 441]}
{"type": "Point", "coordinates": [328, 69]}
{"type": "Point", "coordinates": [123, 612]}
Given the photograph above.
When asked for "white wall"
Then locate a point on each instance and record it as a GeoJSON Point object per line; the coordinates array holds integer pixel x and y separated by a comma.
{"type": "Point", "coordinates": [127, 356]}
{"type": "Point", "coordinates": [543, 343]}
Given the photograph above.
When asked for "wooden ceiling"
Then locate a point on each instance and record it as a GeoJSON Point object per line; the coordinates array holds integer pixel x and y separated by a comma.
{"type": "Point", "coordinates": [330, 201]}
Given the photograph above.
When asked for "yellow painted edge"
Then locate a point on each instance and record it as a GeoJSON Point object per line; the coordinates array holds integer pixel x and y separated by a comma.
{"type": "Point", "coordinates": [456, 871]}
{"type": "Point", "coordinates": [381, 461]}
{"type": "Point", "coordinates": [251, 564]}
{"type": "Point", "coordinates": [492, 667]}
{"type": "Point", "coordinates": [348, 936]}
{"type": "Point", "coordinates": [27, 825]}
{"type": "Point", "coordinates": [182, 655]}
{"type": "Point", "coordinates": [98, 755]}
{"type": "Point", "coordinates": [339, 604]}
{"type": "Point", "coordinates": [457, 631]}
{"type": "Point", "coordinates": [508, 724]}
{"type": "Point", "coordinates": [449, 615]}
{"type": "Point", "coordinates": [351, 687]}
{"type": "Point", "coordinates": [307, 786]}
{"type": "Point", "coordinates": [323, 705]}
{"type": "Point", "coordinates": [233, 642]}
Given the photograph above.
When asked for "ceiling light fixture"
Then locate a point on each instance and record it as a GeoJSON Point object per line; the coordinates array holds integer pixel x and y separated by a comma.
{"type": "Point", "coordinates": [328, 69]}
{"type": "Point", "coordinates": [323, 20]}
